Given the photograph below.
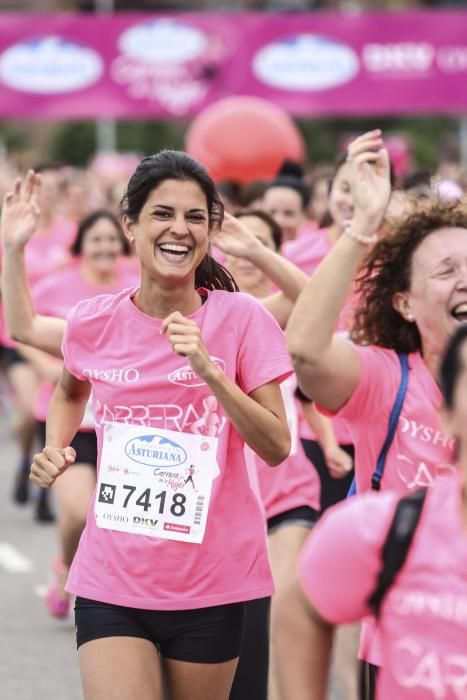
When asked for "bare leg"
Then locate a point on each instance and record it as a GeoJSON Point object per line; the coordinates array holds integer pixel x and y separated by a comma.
{"type": "Point", "coordinates": [23, 381]}
{"type": "Point", "coordinates": [304, 647]}
{"type": "Point", "coordinates": [24, 384]}
{"type": "Point", "coordinates": [190, 681]}
{"type": "Point", "coordinates": [345, 659]}
{"type": "Point", "coordinates": [120, 668]}
{"type": "Point", "coordinates": [284, 546]}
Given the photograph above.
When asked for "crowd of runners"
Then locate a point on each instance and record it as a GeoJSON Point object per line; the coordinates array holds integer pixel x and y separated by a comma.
{"type": "Point", "coordinates": [244, 412]}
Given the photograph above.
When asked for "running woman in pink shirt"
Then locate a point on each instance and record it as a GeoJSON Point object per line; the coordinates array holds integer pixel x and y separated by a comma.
{"type": "Point", "coordinates": [96, 252]}
{"type": "Point", "coordinates": [422, 619]}
{"type": "Point", "coordinates": [413, 288]}
{"type": "Point", "coordinates": [291, 493]}
{"type": "Point", "coordinates": [48, 252]}
{"type": "Point", "coordinates": [161, 573]}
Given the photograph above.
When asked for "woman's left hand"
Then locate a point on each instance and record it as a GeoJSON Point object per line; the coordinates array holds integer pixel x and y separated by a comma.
{"type": "Point", "coordinates": [236, 239]}
{"type": "Point", "coordinates": [185, 338]}
{"type": "Point", "coordinates": [338, 461]}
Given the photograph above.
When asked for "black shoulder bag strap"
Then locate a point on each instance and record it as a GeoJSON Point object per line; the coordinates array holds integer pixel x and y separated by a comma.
{"type": "Point", "coordinates": [393, 556]}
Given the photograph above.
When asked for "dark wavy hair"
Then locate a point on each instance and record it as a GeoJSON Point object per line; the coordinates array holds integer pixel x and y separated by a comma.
{"type": "Point", "coordinates": [388, 270]}
{"type": "Point", "coordinates": [88, 222]}
{"type": "Point", "coordinates": [177, 165]}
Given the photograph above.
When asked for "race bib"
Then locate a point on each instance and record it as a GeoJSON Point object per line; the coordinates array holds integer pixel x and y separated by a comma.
{"type": "Point", "coordinates": [155, 482]}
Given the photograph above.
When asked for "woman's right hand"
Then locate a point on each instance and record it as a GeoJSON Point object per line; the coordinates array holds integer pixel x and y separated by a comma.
{"type": "Point", "coordinates": [20, 212]}
{"type": "Point", "coordinates": [370, 178]}
{"type": "Point", "coordinates": [50, 463]}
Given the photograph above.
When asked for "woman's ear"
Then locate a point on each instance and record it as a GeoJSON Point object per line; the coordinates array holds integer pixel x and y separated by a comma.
{"type": "Point", "coordinates": [401, 304]}
{"type": "Point", "coordinates": [127, 226]}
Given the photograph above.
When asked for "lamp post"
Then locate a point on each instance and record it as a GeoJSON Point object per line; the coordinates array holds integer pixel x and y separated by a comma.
{"type": "Point", "coordinates": [106, 129]}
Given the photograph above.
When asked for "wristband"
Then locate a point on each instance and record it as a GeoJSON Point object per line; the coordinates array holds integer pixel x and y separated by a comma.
{"type": "Point", "coordinates": [365, 240]}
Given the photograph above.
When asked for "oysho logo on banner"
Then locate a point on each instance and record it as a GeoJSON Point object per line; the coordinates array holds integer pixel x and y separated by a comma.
{"type": "Point", "coordinates": [186, 376]}
{"type": "Point", "coordinates": [305, 62]}
{"type": "Point", "coordinates": [155, 451]}
{"type": "Point", "coordinates": [128, 376]}
{"type": "Point", "coordinates": [50, 65]}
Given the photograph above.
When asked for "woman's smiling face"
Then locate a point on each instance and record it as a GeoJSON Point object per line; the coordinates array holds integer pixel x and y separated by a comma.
{"type": "Point", "coordinates": [102, 245]}
{"type": "Point", "coordinates": [172, 231]}
{"type": "Point", "coordinates": [437, 298]}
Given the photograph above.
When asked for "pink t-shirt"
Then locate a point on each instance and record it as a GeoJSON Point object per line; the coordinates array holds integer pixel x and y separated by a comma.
{"type": "Point", "coordinates": [49, 251]}
{"type": "Point", "coordinates": [309, 228]}
{"type": "Point", "coordinates": [420, 450]}
{"type": "Point", "coordinates": [423, 619]}
{"type": "Point", "coordinates": [295, 482]}
{"type": "Point", "coordinates": [136, 378]}
{"type": "Point", "coordinates": [307, 250]}
{"type": "Point", "coordinates": [56, 294]}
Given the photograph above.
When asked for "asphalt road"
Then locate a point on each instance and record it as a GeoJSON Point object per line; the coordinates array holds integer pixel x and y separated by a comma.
{"type": "Point", "coordinates": [37, 653]}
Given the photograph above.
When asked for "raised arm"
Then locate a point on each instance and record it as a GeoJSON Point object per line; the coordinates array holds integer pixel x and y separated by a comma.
{"type": "Point", "coordinates": [327, 367]}
{"type": "Point", "coordinates": [20, 214]}
{"type": "Point", "coordinates": [237, 240]}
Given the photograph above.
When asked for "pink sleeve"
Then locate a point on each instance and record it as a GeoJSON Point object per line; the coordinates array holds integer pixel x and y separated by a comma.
{"type": "Point", "coordinates": [69, 345]}
{"type": "Point", "coordinates": [43, 295]}
{"type": "Point", "coordinates": [340, 562]}
{"type": "Point", "coordinates": [262, 354]}
{"type": "Point", "coordinates": [376, 390]}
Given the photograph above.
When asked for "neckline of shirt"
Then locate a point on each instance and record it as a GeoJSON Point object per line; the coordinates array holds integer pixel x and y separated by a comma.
{"type": "Point", "coordinates": [157, 322]}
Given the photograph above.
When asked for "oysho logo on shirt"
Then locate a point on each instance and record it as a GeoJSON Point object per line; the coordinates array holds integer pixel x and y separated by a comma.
{"type": "Point", "coordinates": [128, 376]}
{"type": "Point", "coordinates": [186, 376]}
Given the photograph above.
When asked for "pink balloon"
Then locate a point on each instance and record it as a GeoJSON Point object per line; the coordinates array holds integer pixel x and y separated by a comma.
{"type": "Point", "coordinates": [243, 139]}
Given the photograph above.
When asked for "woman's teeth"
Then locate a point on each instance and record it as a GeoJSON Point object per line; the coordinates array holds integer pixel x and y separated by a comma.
{"type": "Point", "coordinates": [174, 249]}
{"type": "Point", "coordinates": [460, 312]}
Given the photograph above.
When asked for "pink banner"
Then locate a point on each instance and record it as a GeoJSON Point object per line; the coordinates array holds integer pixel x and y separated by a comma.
{"type": "Point", "coordinates": [313, 64]}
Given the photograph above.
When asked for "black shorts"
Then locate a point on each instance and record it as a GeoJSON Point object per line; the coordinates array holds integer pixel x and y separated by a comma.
{"type": "Point", "coordinates": [204, 636]}
{"type": "Point", "coordinates": [332, 490]}
{"type": "Point", "coordinates": [10, 357]}
{"type": "Point", "coordinates": [84, 443]}
{"type": "Point", "coordinates": [302, 515]}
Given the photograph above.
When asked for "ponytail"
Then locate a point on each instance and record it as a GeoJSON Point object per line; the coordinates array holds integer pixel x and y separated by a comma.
{"type": "Point", "coordinates": [212, 275]}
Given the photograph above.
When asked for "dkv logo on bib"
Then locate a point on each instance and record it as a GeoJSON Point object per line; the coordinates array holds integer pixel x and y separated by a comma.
{"type": "Point", "coordinates": [186, 376]}
{"type": "Point", "coordinates": [155, 451]}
